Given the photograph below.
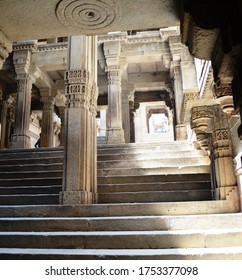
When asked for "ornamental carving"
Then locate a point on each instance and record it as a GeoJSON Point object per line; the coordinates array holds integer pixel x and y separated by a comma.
{"type": "Point", "coordinates": [88, 14]}
{"type": "Point", "coordinates": [201, 112]}
{"type": "Point", "coordinates": [223, 91]}
{"type": "Point", "coordinates": [222, 134]}
{"type": "Point", "coordinates": [114, 75]}
{"type": "Point", "coordinates": [77, 76]}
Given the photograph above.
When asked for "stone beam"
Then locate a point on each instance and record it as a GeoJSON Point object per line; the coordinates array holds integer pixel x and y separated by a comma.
{"type": "Point", "coordinates": [44, 80]}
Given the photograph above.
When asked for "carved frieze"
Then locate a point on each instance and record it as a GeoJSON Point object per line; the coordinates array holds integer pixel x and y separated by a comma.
{"type": "Point", "coordinates": [78, 89]}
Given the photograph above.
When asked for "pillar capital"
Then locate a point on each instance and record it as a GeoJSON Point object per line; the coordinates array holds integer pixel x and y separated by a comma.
{"type": "Point", "coordinates": [224, 95]}
{"type": "Point", "coordinates": [114, 75]}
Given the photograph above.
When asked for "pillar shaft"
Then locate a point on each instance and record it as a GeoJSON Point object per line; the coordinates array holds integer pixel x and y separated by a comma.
{"type": "Point", "coordinates": [79, 142]}
{"type": "Point", "coordinates": [103, 124]}
{"type": "Point", "coordinates": [126, 116]}
{"type": "Point", "coordinates": [115, 133]}
{"type": "Point", "coordinates": [26, 76]}
{"type": "Point", "coordinates": [20, 137]}
{"type": "Point", "coordinates": [47, 122]}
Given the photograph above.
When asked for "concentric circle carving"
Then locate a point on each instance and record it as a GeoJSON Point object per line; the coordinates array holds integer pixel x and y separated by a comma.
{"type": "Point", "coordinates": [88, 14]}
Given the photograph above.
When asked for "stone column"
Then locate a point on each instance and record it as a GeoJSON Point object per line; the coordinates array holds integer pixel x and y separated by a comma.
{"type": "Point", "coordinates": [103, 124]}
{"type": "Point", "coordinates": [46, 139]}
{"type": "Point", "coordinates": [5, 122]}
{"type": "Point", "coordinates": [132, 126]}
{"type": "Point", "coordinates": [178, 91]}
{"type": "Point", "coordinates": [5, 48]}
{"type": "Point", "coordinates": [138, 125]}
{"type": "Point", "coordinates": [211, 120]}
{"type": "Point", "coordinates": [26, 76]}
{"type": "Point", "coordinates": [93, 141]}
{"type": "Point", "coordinates": [115, 133]}
{"type": "Point", "coordinates": [77, 179]}
{"type": "Point", "coordinates": [238, 173]}
{"type": "Point", "coordinates": [126, 116]}
{"type": "Point", "coordinates": [222, 147]}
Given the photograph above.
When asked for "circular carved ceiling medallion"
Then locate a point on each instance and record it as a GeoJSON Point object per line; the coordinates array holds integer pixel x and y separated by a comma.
{"type": "Point", "coordinates": [88, 14]}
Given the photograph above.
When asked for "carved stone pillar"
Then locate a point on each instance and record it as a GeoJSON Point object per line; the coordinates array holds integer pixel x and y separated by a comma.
{"type": "Point", "coordinates": [46, 139]}
{"type": "Point", "coordinates": [126, 116]}
{"type": "Point", "coordinates": [26, 77]}
{"type": "Point", "coordinates": [5, 122]}
{"type": "Point", "coordinates": [132, 126]}
{"type": "Point", "coordinates": [93, 134]}
{"type": "Point", "coordinates": [78, 144]}
{"type": "Point", "coordinates": [5, 48]}
{"type": "Point", "coordinates": [115, 133]}
{"type": "Point", "coordinates": [178, 92]}
{"type": "Point", "coordinates": [103, 124]}
{"type": "Point", "coordinates": [211, 120]}
{"type": "Point", "coordinates": [222, 147]}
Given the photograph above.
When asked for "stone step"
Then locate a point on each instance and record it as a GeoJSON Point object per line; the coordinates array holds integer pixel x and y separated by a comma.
{"type": "Point", "coordinates": [150, 154]}
{"type": "Point", "coordinates": [135, 223]}
{"type": "Point", "coordinates": [153, 171]}
{"type": "Point", "coordinates": [224, 253]}
{"type": "Point", "coordinates": [186, 177]}
{"type": "Point", "coordinates": [123, 239]}
{"type": "Point", "coordinates": [32, 166]}
{"type": "Point", "coordinates": [122, 209]}
{"type": "Point", "coordinates": [153, 163]}
{"type": "Point", "coordinates": [143, 148]}
{"type": "Point", "coordinates": [156, 186]}
{"type": "Point", "coordinates": [154, 196]}
{"type": "Point", "coordinates": [31, 181]}
{"type": "Point", "coordinates": [31, 174]}
{"type": "Point", "coordinates": [32, 153]}
{"type": "Point", "coordinates": [29, 199]}
{"type": "Point", "coordinates": [30, 190]}
{"type": "Point", "coordinates": [30, 161]}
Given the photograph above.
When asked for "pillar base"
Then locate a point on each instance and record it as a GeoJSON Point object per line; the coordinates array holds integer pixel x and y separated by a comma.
{"type": "Point", "coordinates": [77, 197]}
{"type": "Point", "coordinates": [115, 136]}
{"type": "Point", "coordinates": [181, 132]}
{"type": "Point", "coordinates": [20, 141]}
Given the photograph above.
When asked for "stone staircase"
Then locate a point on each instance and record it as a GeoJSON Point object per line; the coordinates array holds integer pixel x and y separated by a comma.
{"type": "Point", "coordinates": [153, 173]}
{"type": "Point", "coordinates": [31, 176]}
{"type": "Point", "coordinates": [165, 213]}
